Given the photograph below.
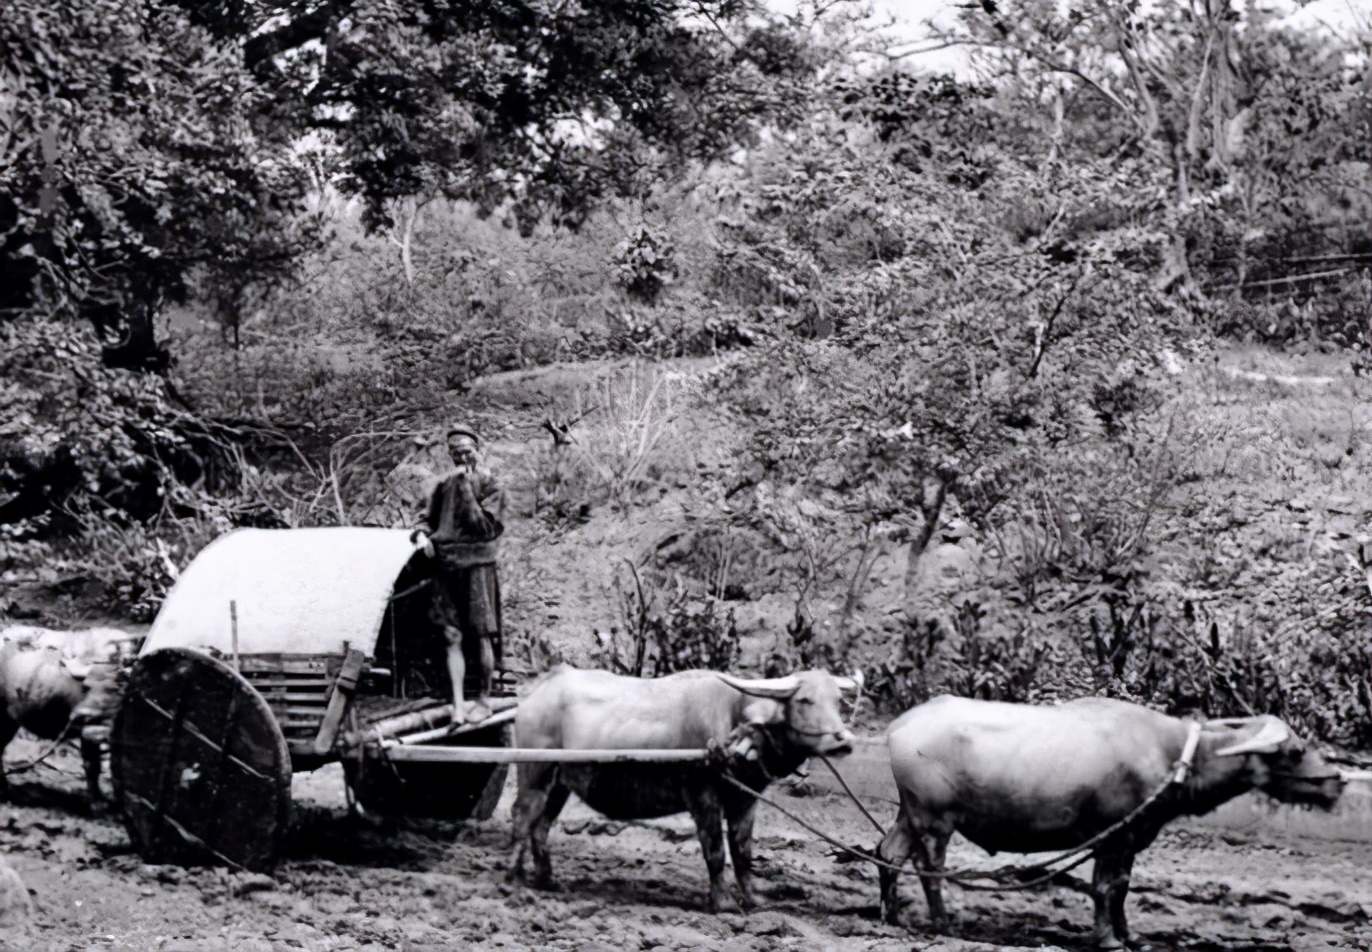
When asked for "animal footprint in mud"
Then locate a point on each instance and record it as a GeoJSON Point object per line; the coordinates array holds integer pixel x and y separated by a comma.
{"type": "Point", "coordinates": [787, 891]}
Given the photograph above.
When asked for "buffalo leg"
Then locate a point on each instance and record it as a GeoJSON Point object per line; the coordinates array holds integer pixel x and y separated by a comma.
{"type": "Point", "coordinates": [896, 847]}
{"type": "Point", "coordinates": [705, 810]}
{"type": "Point", "coordinates": [1118, 920]}
{"type": "Point", "coordinates": [538, 835]}
{"type": "Point", "coordinates": [92, 738]}
{"type": "Point", "coordinates": [933, 848]}
{"type": "Point", "coordinates": [535, 780]}
{"type": "Point", "coordinates": [1110, 886]}
{"type": "Point", "coordinates": [741, 852]}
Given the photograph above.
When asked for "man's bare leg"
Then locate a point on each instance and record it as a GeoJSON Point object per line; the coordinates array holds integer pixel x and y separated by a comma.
{"type": "Point", "coordinates": [480, 709]}
{"type": "Point", "coordinates": [457, 671]}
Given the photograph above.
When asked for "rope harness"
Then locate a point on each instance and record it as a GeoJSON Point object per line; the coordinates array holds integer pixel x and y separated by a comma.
{"type": "Point", "coordinates": [41, 758]}
{"type": "Point", "coordinates": [1009, 877]}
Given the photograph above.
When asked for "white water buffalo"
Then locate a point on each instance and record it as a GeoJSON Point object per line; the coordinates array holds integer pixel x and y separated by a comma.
{"type": "Point", "coordinates": [787, 719]}
{"type": "Point", "coordinates": [1021, 779]}
{"type": "Point", "coordinates": [56, 682]}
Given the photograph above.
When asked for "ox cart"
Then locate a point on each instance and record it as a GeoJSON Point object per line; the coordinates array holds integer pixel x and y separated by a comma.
{"type": "Point", "coordinates": [280, 651]}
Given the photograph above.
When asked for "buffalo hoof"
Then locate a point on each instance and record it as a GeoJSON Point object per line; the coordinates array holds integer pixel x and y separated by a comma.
{"type": "Point", "coordinates": [546, 884]}
{"type": "Point", "coordinates": [944, 925]}
{"type": "Point", "coordinates": [894, 915]}
{"type": "Point", "coordinates": [899, 921]}
{"type": "Point", "coordinates": [723, 902]}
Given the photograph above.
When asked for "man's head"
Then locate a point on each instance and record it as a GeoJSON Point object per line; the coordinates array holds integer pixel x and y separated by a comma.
{"type": "Point", "coordinates": [463, 445]}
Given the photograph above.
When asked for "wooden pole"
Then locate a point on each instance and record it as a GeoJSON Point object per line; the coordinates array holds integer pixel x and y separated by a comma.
{"type": "Point", "coordinates": [432, 718]}
{"type": "Point", "coordinates": [438, 733]}
{"type": "Point", "coordinates": [233, 629]}
{"type": "Point", "coordinates": [524, 755]}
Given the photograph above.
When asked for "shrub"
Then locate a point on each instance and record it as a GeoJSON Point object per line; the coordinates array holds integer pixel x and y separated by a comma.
{"type": "Point", "coordinates": [644, 263]}
{"type": "Point", "coordinates": [934, 656]}
{"type": "Point", "coordinates": [665, 629]}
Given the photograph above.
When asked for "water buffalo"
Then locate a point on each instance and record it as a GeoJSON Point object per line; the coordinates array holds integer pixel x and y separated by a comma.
{"type": "Point", "coordinates": [787, 720]}
{"type": "Point", "coordinates": [54, 682]}
{"type": "Point", "coordinates": [1019, 778]}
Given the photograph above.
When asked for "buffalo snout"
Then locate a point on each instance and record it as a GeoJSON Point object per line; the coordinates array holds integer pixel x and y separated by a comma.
{"type": "Point", "coordinates": [837, 744]}
{"type": "Point", "coordinates": [1309, 781]}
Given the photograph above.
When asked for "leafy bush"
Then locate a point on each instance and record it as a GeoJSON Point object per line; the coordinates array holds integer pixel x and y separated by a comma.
{"type": "Point", "coordinates": [934, 656]}
{"type": "Point", "coordinates": [644, 264]}
{"type": "Point", "coordinates": [665, 629]}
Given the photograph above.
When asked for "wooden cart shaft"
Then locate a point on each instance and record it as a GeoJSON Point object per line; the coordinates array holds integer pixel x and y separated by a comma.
{"type": "Point", "coordinates": [526, 755]}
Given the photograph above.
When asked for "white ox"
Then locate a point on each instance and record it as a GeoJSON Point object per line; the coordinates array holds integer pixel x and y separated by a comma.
{"type": "Point", "coordinates": [1023, 779]}
{"type": "Point", "coordinates": [54, 682]}
{"type": "Point", "coordinates": [787, 719]}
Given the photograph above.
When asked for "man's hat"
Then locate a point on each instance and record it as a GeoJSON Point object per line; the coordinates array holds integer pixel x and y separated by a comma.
{"type": "Point", "coordinates": [462, 431]}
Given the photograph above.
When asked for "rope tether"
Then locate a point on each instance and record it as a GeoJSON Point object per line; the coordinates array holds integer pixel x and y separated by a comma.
{"type": "Point", "coordinates": [51, 749]}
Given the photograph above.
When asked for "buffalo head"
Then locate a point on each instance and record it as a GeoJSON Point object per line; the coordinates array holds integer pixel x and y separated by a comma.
{"type": "Point", "coordinates": [1278, 762]}
{"type": "Point", "coordinates": [807, 703]}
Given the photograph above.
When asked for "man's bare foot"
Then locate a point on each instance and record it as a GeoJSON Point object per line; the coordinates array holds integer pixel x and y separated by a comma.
{"type": "Point", "coordinates": [478, 711]}
{"type": "Point", "coordinates": [459, 714]}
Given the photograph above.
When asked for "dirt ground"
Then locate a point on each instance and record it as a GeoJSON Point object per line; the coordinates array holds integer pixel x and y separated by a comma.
{"type": "Point", "coordinates": [416, 885]}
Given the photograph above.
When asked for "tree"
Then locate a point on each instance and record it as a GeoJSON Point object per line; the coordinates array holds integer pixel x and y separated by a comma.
{"type": "Point", "coordinates": [1180, 83]}
{"type": "Point", "coordinates": [1167, 71]}
{"type": "Point", "coordinates": [131, 171]}
{"type": "Point", "coordinates": [151, 149]}
{"type": "Point", "coordinates": [952, 356]}
{"type": "Point", "coordinates": [546, 105]}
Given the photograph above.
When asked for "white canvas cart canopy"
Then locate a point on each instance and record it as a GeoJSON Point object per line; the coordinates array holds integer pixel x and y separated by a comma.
{"type": "Point", "coordinates": [295, 591]}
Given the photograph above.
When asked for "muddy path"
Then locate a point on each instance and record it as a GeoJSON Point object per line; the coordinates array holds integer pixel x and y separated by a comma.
{"type": "Point", "coordinates": [411, 885]}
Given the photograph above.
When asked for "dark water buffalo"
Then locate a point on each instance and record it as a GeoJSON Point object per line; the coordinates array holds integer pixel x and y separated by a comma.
{"type": "Point", "coordinates": [789, 719]}
{"type": "Point", "coordinates": [1017, 778]}
{"type": "Point", "coordinates": [56, 683]}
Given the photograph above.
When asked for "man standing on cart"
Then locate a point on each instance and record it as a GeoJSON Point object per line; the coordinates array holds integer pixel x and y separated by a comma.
{"type": "Point", "coordinates": [462, 534]}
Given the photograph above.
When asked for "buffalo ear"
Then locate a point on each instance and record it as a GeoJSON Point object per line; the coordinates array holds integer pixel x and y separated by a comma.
{"type": "Point", "coordinates": [1269, 738]}
{"type": "Point", "coordinates": [763, 711]}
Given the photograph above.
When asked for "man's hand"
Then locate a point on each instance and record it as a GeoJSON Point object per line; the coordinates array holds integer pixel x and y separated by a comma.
{"type": "Point", "coordinates": [420, 540]}
{"type": "Point", "coordinates": [465, 458]}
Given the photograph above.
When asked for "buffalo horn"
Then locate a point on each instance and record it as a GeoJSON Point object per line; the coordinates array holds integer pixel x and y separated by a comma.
{"type": "Point", "coordinates": [1268, 738]}
{"type": "Point", "coordinates": [776, 688]}
{"type": "Point", "coordinates": [853, 684]}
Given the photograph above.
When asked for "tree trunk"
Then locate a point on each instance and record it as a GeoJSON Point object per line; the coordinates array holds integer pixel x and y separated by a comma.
{"type": "Point", "coordinates": [133, 322]}
{"type": "Point", "coordinates": [931, 508]}
{"type": "Point", "coordinates": [868, 557]}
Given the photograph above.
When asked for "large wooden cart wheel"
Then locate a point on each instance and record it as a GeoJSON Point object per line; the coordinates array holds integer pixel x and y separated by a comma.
{"type": "Point", "coordinates": [200, 767]}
